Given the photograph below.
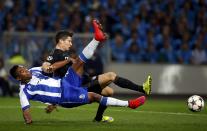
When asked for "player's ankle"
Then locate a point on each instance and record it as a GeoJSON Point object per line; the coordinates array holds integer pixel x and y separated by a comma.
{"type": "Point", "coordinates": [97, 119]}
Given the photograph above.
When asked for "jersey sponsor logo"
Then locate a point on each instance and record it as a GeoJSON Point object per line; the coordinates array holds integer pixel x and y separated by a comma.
{"type": "Point", "coordinates": [49, 58]}
{"type": "Point", "coordinates": [82, 96]}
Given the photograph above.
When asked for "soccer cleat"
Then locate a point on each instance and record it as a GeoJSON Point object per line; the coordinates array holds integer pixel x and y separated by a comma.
{"type": "Point", "coordinates": [105, 119]}
{"type": "Point", "coordinates": [99, 35]}
{"type": "Point", "coordinates": [147, 85]}
{"type": "Point", "coordinates": [133, 104]}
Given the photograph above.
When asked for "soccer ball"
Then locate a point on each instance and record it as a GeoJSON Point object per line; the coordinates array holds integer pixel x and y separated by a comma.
{"type": "Point", "coordinates": [195, 103]}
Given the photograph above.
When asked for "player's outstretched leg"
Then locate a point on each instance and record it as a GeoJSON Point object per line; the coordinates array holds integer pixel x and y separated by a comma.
{"type": "Point", "coordinates": [99, 36]}
{"type": "Point", "coordinates": [133, 104]}
{"type": "Point", "coordinates": [89, 50]}
{"type": "Point", "coordinates": [109, 101]}
{"type": "Point", "coordinates": [109, 77]}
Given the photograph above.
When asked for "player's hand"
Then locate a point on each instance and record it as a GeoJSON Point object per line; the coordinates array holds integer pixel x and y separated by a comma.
{"type": "Point", "coordinates": [50, 108]}
{"type": "Point", "coordinates": [72, 60]}
{"type": "Point", "coordinates": [49, 69]}
{"type": "Point", "coordinates": [27, 117]}
{"type": "Point", "coordinates": [28, 122]}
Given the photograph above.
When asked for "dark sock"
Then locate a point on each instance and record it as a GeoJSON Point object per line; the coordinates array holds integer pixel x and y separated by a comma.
{"type": "Point", "coordinates": [100, 112]}
{"type": "Point", "coordinates": [124, 83]}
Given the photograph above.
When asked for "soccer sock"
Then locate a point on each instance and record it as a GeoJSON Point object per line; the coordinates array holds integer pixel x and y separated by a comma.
{"type": "Point", "coordinates": [109, 101]}
{"type": "Point", "coordinates": [124, 83]}
{"type": "Point", "coordinates": [89, 50]}
{"type": "Point", "coordinates": [100, 112]}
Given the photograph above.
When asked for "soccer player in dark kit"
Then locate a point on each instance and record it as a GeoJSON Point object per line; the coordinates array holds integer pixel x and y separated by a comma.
{"type": "Point", "coordinates": [60, 59]}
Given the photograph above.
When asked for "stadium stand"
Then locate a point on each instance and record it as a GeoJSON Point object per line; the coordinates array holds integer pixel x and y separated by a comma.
{"type": "Point", "coordinates": [149, 31]}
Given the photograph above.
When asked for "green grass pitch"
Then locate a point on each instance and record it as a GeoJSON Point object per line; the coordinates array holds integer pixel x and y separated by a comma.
{"type": "Point", "coordinates": [155, 115]}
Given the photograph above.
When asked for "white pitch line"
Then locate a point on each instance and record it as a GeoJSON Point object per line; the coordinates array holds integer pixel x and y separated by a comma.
{"type": "Point", "coordinates": [137, 111]}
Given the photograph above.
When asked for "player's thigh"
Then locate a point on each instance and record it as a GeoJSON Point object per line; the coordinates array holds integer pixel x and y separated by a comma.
{"type": "Point", "coordinates": [72, 77]}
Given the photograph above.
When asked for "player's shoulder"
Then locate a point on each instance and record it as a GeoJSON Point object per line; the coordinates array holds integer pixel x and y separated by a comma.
{"type": "Point", "coordinates": [56, 52]}
{"type": "Point", "coordinates": [55, 55]}
{"type": "Point", "coordinates": [21, 89]}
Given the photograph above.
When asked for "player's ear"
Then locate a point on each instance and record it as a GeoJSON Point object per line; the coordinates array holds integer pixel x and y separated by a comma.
{"type": "Point", "coordinates": [18, 77]}
{"type": "Point", "coordinates": [61, 41]}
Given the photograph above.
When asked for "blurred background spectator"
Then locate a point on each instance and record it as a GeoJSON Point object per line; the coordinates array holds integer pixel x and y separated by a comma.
{"type": "Point", "coordinates": [4, 84]}
{"type": "Point", "coordinates": [118, 49]}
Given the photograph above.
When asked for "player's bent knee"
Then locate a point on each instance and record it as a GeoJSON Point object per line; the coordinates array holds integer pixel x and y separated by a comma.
{"type": "Point", "coordinates": [107, 91]}
{"type": "Point", "coordinates": [111, 75]}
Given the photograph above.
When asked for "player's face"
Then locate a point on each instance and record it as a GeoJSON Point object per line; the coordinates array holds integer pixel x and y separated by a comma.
{"type": "Point", "coordinates": [67, 43]}
{"type": "Point", "coordinates": [23, 74]}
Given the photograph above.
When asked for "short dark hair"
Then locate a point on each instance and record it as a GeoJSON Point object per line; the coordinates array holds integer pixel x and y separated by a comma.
{"type": "Point", "coordinates": [13, 71]}
{"type": "Point", "coordinates": [63, 34]}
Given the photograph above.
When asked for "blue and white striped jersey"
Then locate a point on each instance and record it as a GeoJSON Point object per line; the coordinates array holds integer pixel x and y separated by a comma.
{"type": "Point", "coordinates": [40, 88]}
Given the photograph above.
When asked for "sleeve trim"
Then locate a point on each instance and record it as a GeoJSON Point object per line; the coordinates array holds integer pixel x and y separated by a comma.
{"type": "Point", "coordinates": [26, 107]}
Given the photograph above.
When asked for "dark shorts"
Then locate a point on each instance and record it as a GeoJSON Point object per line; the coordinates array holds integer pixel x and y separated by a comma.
{"type": "Point", "coordinates": [92, 83]}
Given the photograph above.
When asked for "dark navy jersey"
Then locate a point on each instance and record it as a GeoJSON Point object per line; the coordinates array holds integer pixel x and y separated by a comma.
{"type": "Point", "coordinates": [59, 55]}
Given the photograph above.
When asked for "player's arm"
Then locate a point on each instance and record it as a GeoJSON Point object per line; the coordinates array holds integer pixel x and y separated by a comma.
{"type": "Point", "coordinates": [50, 68]}
{"type": "Point", "coordinates": [52, 63]}
{"type": "Point", "coordinates": [25, 106]}
{"type": "Point", "coordinates": [50, 108]}
{"type": "Point", "coordinates": [60, 64]}
{"type": "Point", "coordinates": [27, 116]}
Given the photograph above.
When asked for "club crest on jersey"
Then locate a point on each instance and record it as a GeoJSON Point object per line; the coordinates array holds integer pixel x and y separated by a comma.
{"type": "Point", "coordinates": [82, 96]}
{"type": "Point", "coordinates": [49, 58]}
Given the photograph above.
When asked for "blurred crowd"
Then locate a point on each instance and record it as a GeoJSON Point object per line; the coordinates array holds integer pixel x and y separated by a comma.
{"type": "Point", "coordinates": [152, 31]}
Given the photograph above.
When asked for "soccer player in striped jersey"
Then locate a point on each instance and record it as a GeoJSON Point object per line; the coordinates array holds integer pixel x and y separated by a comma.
{"type": "Point", "coordinates": [66, 91]}
{"type": "Point", "coordinates": [59, 61]}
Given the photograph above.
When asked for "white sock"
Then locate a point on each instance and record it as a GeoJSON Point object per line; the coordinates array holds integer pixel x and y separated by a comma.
{"type": "Point", "coordinates": [109, 101]}
{"type": "Point", "coordinates": [89, 50]}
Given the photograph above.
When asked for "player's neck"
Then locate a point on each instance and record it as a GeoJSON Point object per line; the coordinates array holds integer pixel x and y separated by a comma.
{"type": "Point", "coordinates": [59, 47]}
{"type": "Point", "coordinates": [25, 82]}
